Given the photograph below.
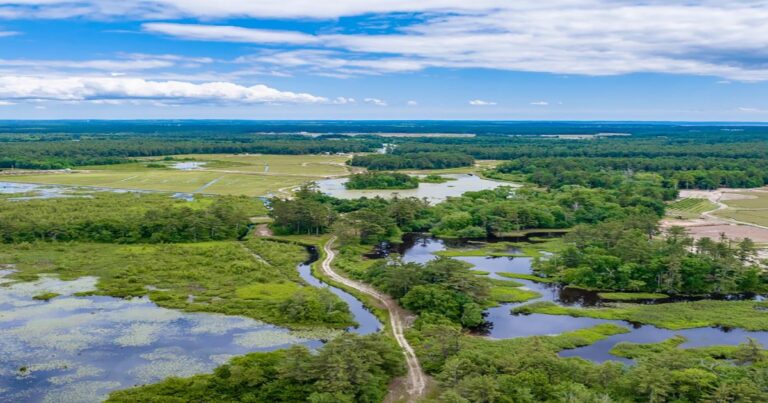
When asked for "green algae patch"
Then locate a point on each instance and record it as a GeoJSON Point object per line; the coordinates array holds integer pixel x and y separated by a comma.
{"type": "Point", "coordinates": [46, 296]}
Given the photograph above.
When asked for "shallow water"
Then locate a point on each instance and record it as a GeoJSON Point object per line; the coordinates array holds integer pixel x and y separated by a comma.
{"type": "Point", "coordinates": [187, 165]}
{"type": "Point", "coordinates": [433, 192]}
{"type": "Point", "coordinates": [78, 349]}
{"type": "Point", "coordinates": [367, 321]}
{"type": "Point", "coordinates": [506, 325]}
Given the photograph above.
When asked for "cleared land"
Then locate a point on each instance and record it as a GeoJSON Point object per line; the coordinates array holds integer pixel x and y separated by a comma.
{"type": "Point", "coordinates": [251, 175]}
{"type": "Point", "coordinates": [738, 213]}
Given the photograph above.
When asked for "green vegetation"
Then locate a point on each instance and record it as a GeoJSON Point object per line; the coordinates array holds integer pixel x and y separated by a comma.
{"type": "Point", "coordinates": [529, 370]}
{"type": "Point", "coordinates": [749, 315]}
{"type": "Point", "coordinates": [382, 180]}
{"type": "Point", "coordinates": [225, 174]}
{"type": "Point", "coordinates": [699, 172]}
{"type": "Point", "coordinates": [126, 218]}
{"type": "Point", "coordinates": [530, 277]}
{"type": "Point", "coordinates": [631, 296]}
{"type": "Point", "coordinates": [505, 210]}
{"type": "Point", "coordinates": [692, 205]}
{"type": "Point", "coordinates": [46, 296]}
{"type": "Point", "coordinates": [425, 160]}
{"type": "Point", "coordinates": [347, 369]}
{"type": "Point", "coordinates": [442, 289]}
{"type": "Point", "coordinates": [689, 208]}
{"type": "Point", "coordinates": [504, 292]}
{"type": "Point", "coordinates": [221, 277]}
{"type": "Point", "coordinates": [434, 178]}
{"type": "Point", "coordinates": [625, 255]}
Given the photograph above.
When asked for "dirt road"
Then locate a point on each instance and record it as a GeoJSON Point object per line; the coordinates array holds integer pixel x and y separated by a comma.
{"type": "Point", "coordinates": [416, 377]}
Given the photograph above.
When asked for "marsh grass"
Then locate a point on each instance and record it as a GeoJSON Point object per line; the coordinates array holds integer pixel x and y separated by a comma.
{"type": "Point", "coordinates": [221, 277]}
{"type": "Point", "coordinates": [748, 315]}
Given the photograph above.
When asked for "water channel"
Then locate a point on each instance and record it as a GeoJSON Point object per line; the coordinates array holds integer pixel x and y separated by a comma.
{"type": "Point", "coordinates": [505, 325]}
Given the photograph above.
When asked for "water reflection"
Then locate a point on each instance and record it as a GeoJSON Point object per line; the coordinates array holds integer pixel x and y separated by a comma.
{"type": "Point", "coordinates": [433, 192]}
{"type": "Point", "coordinates": [504, 325]}
{"type": "Point", "coordinates": [74, 348]}
{"type": "Point", "coordinates": [367, 321]}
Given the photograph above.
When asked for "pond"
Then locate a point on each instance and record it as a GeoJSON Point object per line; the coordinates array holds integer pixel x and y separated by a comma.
{"type": "Point", "coordinates": [433, 192]}
{"type": "Point", "coordinates": [187, 165]}
{"type": "Point", "coordinates": [506, 325]}
{"type": "Point", "coordinates": [78, 349]}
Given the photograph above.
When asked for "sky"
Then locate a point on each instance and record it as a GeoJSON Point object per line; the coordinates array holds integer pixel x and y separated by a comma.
{"type": "Point", "coordinates": [694, 60]}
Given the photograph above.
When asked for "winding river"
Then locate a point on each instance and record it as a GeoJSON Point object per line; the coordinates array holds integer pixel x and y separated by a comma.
{"type": "Point", "coordinates": [506, 325]}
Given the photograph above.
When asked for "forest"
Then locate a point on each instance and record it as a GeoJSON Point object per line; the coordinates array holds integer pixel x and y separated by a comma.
{"type": "Point", "coordinates": [382, 180]}
{"type": "Point", "coordinates": [126, 218]}
{"type": "Point", "coordinates": [421, 160]}
{"type": "Point", "coordinates": [629, 255]}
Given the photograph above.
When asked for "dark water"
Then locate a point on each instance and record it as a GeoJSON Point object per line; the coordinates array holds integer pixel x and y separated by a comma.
{"type": "Point", "coordinates": [367, 322]}
{"type": "Point", "coordinates": [506, 325]}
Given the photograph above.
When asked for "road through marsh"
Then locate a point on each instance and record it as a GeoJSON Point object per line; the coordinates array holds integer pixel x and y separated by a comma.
{"type": "Point", "coordinates": [416, 378]}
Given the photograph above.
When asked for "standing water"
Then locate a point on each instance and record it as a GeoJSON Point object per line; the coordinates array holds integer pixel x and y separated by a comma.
{"type": "Point", "coordinates": [506, 325]}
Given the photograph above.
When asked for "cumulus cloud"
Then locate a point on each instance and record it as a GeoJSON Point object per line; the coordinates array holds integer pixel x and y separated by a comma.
{"type": "Point", "coordinates": [480, 102]}
{"type": "Point", "coordinates": [119, 88]}
{"type": "Point", "coordinates": [585, 37]}
{"type": "Point", "coordinates": [540, 103]}
{"type": "Point", "coordinates": [375, 101]}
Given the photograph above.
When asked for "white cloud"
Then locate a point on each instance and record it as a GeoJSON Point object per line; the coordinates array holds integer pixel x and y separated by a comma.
{"type": "Point", "coordinates": [748, 109]}
{"type": "Point", "coordinates": [540, 103]}
{"type": "Point", "coordinates": [480, 102]}
{"type": "Point", "coordinates": [343, 101]}
{"type": "Point", "coordinates": [375, 101]}
{"type": "Point", "coordinates": [117, 88]}
{"type": "Point", "coordinates": [8, 33]}
{"type": "Point", "coordinates": [412, 103]}
{"type": "Point", "coordinates": [586, 37]}
{"type": "Point", "coordinates": [225, 33]}
{"type": "Point", "coordinates": [6, 103]}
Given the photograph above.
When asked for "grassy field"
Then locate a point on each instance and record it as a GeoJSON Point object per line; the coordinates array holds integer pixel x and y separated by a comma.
{"type": "Point", "coordinates": [749, 315]}
{"type": "Point", "coordinates": [250, 175]}
{"type": "Point", "coordinates": [255, 279]}
{"type": "Point", "coordinates": [753, 210]}
{"type": "Point", "coordinates": [689, 207]}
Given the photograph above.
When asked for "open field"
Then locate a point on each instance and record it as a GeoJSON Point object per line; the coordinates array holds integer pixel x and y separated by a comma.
{"type": "Point", "coordinates": [690, 207]}
{"type": "Point", "coordinates": [737, 213]}
{"type": "Point", "coordinates": [251, 175]}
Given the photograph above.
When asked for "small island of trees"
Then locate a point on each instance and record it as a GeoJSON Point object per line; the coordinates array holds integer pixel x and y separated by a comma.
{"type": "Point", "coordinates": [382, 180]}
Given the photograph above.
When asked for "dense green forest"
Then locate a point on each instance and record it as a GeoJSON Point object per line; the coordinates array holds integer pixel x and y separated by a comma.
{"type": "Point", "coordinates": [422, 160]}
{"type": "Point", "coordinates": [382, 180]}
{"type": "Point", "coordinates": [629, 255]}
{"type": "Point", "coordinates": [683, 172]}
{"type": "Point", "coordinates": [347, 369]}
{"type": "Point", "coordinates": [472, 369]}
{"type": "Point", "coordinates": [126, 218]}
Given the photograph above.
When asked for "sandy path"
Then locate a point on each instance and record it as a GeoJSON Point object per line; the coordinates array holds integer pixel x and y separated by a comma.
{"type": "Point", "coordinates": [416, 377]}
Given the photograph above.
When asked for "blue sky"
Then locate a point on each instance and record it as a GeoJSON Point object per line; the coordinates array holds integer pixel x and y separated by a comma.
{"type": "Point", "coordinates": [364, 59]}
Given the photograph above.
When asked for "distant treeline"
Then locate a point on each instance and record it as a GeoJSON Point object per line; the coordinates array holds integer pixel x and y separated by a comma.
{"type": "Point", "coordinates": [103, 151]}
{"type": "Point", "coordinates": [422, 160]}
{"type": "Point", "coordinates": [126, 218]}
{"type": "Point", "coordinates": [683, 172]}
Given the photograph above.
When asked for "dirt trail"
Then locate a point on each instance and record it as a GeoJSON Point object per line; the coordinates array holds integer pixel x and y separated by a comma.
{"type": "Point", "coordinates": [416, 377]}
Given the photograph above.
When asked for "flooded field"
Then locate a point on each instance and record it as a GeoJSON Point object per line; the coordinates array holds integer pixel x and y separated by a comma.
{"type": "Point", "coordinates": [77, 349]}
{"type": "Point", "coordinates": [505, 325]}
{"type": "Point", "coordinates": [434, 192]}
